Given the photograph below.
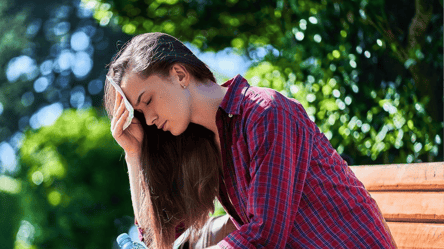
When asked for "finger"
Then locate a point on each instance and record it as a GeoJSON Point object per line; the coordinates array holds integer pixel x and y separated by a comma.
{"type": "Point", "coordinates": [136, 130]}
{"type": "Point", "coordinates": [121, 108]}
{"type": "Point", "coordinates": [121, 122]}
{"type": "Point", "coordinates": [118, 110]}
{"type": "Point", "coordinates": [117, 101]}
{"type": "Point", "coordinates": [118, 126]}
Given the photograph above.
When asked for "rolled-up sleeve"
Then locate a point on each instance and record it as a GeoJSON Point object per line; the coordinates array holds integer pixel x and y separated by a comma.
{"type": "Point", "coordinates": [279, 145]}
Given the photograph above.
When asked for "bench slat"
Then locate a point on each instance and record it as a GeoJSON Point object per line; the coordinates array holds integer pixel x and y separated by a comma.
{"type": "Point", "coordinates": [417, 235]}
{"type": "Point", "coordinates": [410, 177]}
{"type": "Point", "coordinates": [411, 206]}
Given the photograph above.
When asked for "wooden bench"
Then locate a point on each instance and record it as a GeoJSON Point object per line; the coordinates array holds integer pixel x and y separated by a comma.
{"type": "Point", "coordinates": [411, 198]}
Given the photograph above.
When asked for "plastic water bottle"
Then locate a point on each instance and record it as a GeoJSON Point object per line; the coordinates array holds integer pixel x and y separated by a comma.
{"type": "Point", "coordinates": [125, 242]}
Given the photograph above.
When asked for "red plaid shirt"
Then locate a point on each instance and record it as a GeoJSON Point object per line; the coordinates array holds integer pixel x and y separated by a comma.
{"type": "Point", "coordinates": [283, 184]}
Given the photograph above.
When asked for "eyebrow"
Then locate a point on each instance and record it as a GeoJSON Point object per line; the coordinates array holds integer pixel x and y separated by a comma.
{"type": "Point", "coordinates": [138, 99]}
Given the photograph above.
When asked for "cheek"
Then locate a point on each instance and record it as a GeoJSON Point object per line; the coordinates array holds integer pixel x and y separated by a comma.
{"type": "Point", "coordinates": [181, 120]}
{"type": "Point", "coordinates": [180, 106]}
{"type": "Point", "coordinates": [177, 108]}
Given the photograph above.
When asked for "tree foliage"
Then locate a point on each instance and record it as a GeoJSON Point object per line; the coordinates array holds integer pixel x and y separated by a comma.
{"type": "Point", "coordinates": [74, 190]}
{"type": "Point", "coordinates": [12, 41]}
{"type": "Point", "coordinates": [368, 72]}
{"type": "Point", "coordinates": [52, 54]}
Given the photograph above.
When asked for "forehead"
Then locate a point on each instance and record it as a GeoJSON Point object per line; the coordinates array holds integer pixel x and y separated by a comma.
{"type": "Point", "coordinates": [132, 85]}
{"type": "Point", "coordinates": [130, 80]}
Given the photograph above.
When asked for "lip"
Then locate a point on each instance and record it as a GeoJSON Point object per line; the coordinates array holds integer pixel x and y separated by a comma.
{"type": "Point", "coordinates": [163, 126]}
{"type": "Point", "coordinates": [160, 125]}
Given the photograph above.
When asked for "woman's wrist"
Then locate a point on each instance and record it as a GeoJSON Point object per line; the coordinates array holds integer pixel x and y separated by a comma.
{"type": "Point", "coordinates": [131, 158]}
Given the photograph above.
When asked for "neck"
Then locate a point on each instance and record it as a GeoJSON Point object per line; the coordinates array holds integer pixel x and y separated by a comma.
{"type": "Point", "coordinates": [206, 101]}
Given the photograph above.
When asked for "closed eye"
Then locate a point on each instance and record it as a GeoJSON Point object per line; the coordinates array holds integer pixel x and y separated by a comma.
{"type": "Point", "coordinates": [147, 103]}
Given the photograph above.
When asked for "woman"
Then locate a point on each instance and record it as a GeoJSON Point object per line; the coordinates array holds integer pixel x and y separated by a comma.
{"type": "Point", "coordinates": [275, 173]}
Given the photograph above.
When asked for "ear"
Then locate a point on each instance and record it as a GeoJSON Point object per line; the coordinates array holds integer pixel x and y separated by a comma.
{"type": "Point", "coordinates": [179, 72]}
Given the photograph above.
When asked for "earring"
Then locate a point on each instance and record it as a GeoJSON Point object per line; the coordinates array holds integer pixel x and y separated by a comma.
{"type": "Point", "coordinates": [183, 86]}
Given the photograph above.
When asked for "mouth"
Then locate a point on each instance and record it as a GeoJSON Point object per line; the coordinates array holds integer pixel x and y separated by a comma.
{"type": "Point", "coordinates": [163, 125]}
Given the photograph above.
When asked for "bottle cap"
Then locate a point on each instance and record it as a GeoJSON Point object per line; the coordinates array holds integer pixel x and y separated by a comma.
{"type": "Point", "coordinates": [123, 239]}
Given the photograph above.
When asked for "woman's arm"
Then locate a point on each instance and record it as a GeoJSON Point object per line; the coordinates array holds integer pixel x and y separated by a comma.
{"type": "Point", "coordinates": [131, 142]}
{"type": "Point", "coordinates": [133, 163]}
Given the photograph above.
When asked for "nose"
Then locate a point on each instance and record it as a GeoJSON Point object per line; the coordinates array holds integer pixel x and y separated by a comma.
{"type": "Point", "coordinates": [150, 118]}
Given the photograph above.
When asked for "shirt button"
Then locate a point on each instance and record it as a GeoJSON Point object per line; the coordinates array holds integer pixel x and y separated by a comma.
{"type": "Point", "coordinates": [230, 115]}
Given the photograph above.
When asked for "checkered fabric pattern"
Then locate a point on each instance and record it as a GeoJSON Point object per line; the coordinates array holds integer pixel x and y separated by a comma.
{"type": "Point", "coordinates": [283, 184]}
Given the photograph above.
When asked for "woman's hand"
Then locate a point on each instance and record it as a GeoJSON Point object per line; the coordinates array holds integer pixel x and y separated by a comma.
{"type": "Point", "coordinates": [131, 138]}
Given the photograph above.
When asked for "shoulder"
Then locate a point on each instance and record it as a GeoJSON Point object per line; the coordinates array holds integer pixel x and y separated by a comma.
{"type": "Point", "coordinates": [260, 103]}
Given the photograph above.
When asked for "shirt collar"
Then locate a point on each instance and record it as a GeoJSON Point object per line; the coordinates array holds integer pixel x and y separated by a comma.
{"type": "Point", "coordinates": [232, 100]}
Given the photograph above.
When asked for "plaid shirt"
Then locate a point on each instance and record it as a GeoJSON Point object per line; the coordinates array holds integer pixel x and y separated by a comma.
{"type": "Point", "coordinates": [283, 184]}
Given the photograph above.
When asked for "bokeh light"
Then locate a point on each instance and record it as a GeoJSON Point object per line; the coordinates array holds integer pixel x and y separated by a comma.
{"type": "Point", "coordinates": [82, 64]}
{"type": "Point", "coordinates": [21, 65]}
{"type": "Point", "coordinates": [299, 36]}
{"type": "Point", "coordinates": [80, 41]}
{"type": "Point", "coordinates": [95, 86]}
{"type": "Point", "coordinates": [7, 158]}
{"type": "Point", "coordinates": [25, 235]}
{"type": "Point", "coordinates": [27, 99]}
{"type": "Point", "coordinates": [46, 115]}
{"type": "Point", "coordinates": [77, 97]}
{"type": "Point", "coordinates": [41, 84]}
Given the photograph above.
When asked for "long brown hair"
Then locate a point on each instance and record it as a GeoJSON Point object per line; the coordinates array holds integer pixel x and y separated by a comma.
{"type": "Point", "coordinates": [180, 174]}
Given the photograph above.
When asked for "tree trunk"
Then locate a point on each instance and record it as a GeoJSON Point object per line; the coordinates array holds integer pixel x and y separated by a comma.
{"type": "Point", "coordinates": [425, 79]}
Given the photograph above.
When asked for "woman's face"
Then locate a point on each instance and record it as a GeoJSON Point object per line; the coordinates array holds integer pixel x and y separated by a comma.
{"type": "Point", "coordinates": [162, 101]}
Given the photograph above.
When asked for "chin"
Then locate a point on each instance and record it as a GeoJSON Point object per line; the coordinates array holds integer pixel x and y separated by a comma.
{"type": "Point", "coordinates": [176, 133]}
{"type": "Point", "coordinates": [173, 132]}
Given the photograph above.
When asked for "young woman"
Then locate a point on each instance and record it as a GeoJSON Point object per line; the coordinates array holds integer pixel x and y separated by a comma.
{"type": "Point", "coordinates": [192, 141]}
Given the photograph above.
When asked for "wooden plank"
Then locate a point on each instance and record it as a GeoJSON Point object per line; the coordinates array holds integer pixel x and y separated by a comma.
{"type": "Point", "coordinates": [417, 235]}
{"type": "Point", "coordinates": [407, 177]}
{"type": "Point", "coordinates": [411, 206]}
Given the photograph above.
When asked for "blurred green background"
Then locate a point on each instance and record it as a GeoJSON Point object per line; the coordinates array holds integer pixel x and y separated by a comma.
{"type": "Point", "coordinates": [369, 73]}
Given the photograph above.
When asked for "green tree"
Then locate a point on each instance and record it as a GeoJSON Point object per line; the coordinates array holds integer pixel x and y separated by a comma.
{"type": "Point", "coordinates": [34, 36]}
{"type": "Point", "coordinates": [9, 206]}
{"type": "Point", "coordinates": [74, 189]}
{"type": "Point", "coordinates": [369, 73]}
{"type": "Point", "coordinates": [51, 52]}
{"type": "Point", "coordinates": [12, 41]}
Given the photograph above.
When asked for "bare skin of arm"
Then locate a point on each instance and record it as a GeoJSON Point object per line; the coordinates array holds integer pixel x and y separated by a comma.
{"type": "Point", "coordinates": [133, 164]}
{"type": "Point", "coordinates": [130, 140]}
